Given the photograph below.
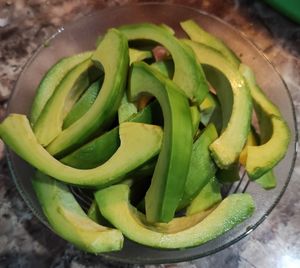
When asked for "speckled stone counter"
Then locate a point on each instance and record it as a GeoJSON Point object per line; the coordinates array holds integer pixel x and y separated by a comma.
{"type": "Point", "coordinates": [25, 242]}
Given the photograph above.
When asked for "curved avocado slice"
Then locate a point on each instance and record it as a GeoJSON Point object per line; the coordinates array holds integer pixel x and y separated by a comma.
{"type": "Point", "coordinates": [264, 157]}
{"type": "Point", "coordinates": [126, 109]}
{"type": "Point", "coordinates": [209, 196]}
{"type": "Point", "coordinates": [232, 210]}
{"type": "Point", "coordinates": [268, 180]}
{"type": "Point", "coordinates": [188, 74]}
{"type": "Point", "coordinates": [226, 149]}
{"type": "Point", "coordinates": [83, 104]}
{"type": "Point", "coordinates": [202, 167]}
{"type": "Point", "coordinates": [69, 221]}
{"type": "Point", "coordinates": [275, 134]}
{"type": "Point", "coordinates": [50, 122]}
{"type": "Point", "coordinates": [197, 34]}
{"type": "Point", "coordinates": [138, 55]}
{"type": "Point", "coordinates": [112, 56]}
{"type": "Point", "coordinates": [171, 170]}
{"type": "Point", "coordinates": [100, 149]}
{"type": "Point", "coordinates": [128, 157]}
{"type": "Point", "coordinates": [51, 80]}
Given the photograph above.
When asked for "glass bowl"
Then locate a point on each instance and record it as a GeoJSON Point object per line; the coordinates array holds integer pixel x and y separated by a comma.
{"type": "Point", "coordinates": [80, 36]}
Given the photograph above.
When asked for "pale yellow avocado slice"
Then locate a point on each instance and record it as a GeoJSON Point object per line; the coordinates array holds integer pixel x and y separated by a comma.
{"type": "Point", "coordinates": [275, 133]}
{"type": "Point", "coordinates": [115, 206]}
{"type": "Point", "coordinates": [68, 220]}
{"type": "Point", "coordinates": [128, 157]}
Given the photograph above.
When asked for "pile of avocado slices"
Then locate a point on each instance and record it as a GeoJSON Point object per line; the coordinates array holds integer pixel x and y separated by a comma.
{"type": "Point", "coordinates": [151, 139]}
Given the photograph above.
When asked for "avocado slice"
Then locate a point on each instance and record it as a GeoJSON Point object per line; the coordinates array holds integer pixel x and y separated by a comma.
{"type": "Point", "coordinates": [230, 174]}
{"type": "Point", "coordinates": [51, 80]}
{"type": "Point", "coordinates": [83, 104]}
{"type": "Point", "coordinates": [127, 158]}
{"type": "Point", "coordinates": [100, 149]}
{"type": "Point", "coordinates": [198, 34]}
{"type": "Point", "coordinates": [138, 55]}
{"type": "Point", "coordinates": [232, 210]}
{"type": "Point", "coordinates": [268, 180]}
{"type": "Point", "coordinates": [202, 167]}
{"type": "Point", "coordinates": [207, 107]}
{"type": "Point", "coordinates": [126, 109]}
{"type": "Point", "coordinates": [226, 149]}
{"type": "Point", "coordinates": [208, 197]}
{"type": "Point", "coordinates": [62, 100]}
{"type": "Point", "coordinates": [69, 221]}
{"type": "Point", "coordinates": [188, 74]}
{"type": "Point", "coordinates": [112, 56]}
{"type": "Point", "coordinates": [171, 170]}
{"type": "Point", "coordinates": [275, 134]}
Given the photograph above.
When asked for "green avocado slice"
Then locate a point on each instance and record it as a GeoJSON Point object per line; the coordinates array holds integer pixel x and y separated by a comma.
{"type": "Point", "coordinates": [115, 199]}
{"type": "Point", "coordinates": [112, 56]}
{"type": "Point", "coordinates": [83, 104]}
{"type": "Point", "coordinates": [208, 197]}
{"type": "Point", "coordinates": [138, 55]}
{"type": "Point", "coordinates": [197, 34]}
{"type": "Point", "coordinates": [275, 134]}
{"type": "Point", "coordinates": [51, 80]}
{"type": "Point", "coordinates": [50, 122]}
{"type": "Point", "coordinates": [202, 167]}
{"type": "Point", "coordinates": [262, 158]}
{"type": "Point", "coordinates": [100, 149]}
{"type": "Point", "coordinates": [127, 158]}
{"type": "Point", "coordinates": [171, 170]}
{"type": "Point", "coordinates": [188, 74]}
{"type": "Point", "coordinates": [69, 221]}
{"type": "Point", "coordinates": [226, 149]}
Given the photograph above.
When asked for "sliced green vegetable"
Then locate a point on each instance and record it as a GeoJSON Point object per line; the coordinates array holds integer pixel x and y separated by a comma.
{"type": "Point", "coordinates": [68, 220]}
{"type": "Point", "coordinates": [50, 122]}
{"type": "Point", "coordinates": [197, 34]}
{"type": "Point", "coordinates": [112, 56]}
{"type": "Point", "coordinates": [275, 132]}
{"type": "Point", "coordinates": [100, 149]}
{"type": "Point", "coordinates": [83, 104]}
{"type": "Point", "coordinates": [188, 74]}
{"type": "Point", "coordinates": [132, 135]}
{"type": "Point", "coordinates": [226, 149]}
{"type": "Point", "coordinates": [208, 197]}
{"type": "Point", "coordinates": [51, 80]}
{"type": "Point", "coordinates": [202, 167]}
{"type": "Point", "coordinates": [126, 109]}
{"type": "Point", "coordinates": [138, 55]}
{"type": "Point", "coordinates": [171, 170]}
{"type": "Point", "coordinates": [233, 210]}
{"type": "Point", "coordinates": [230, 174]}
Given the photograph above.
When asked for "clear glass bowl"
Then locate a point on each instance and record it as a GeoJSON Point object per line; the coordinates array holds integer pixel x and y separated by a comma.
{"type": "Point", "coordinates": [81, 36]}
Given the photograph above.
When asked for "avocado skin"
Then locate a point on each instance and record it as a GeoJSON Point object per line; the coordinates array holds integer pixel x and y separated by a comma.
{"type": "Point", "coordinates": [55, 200]}
{"type": "Point", "coordinates": [232, 210]}
{"type": "Point", "coordinates": [171, 170]}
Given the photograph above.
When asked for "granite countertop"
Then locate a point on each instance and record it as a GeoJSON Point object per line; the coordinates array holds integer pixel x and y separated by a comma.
{"type": "Point", "coordinates": [25, 242]}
